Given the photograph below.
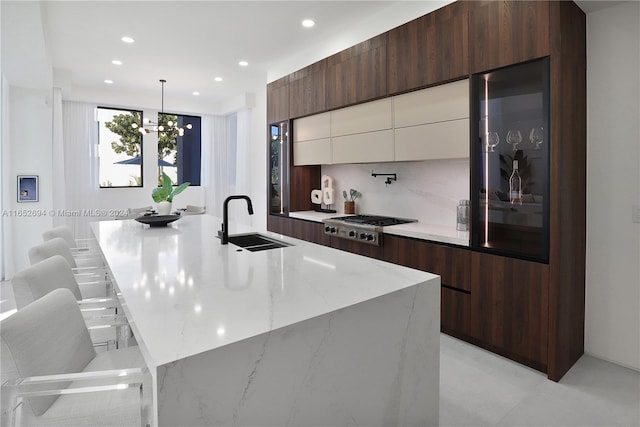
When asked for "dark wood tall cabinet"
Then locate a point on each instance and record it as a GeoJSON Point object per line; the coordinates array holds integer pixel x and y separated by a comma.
{"type": "Point", "coordinates": [530, 309]}
{"type": "Point", "coordinates": [505, 32]}
{"type": "Point", "coordinates": [357, 74]}
{"type": "Point", "coordinates": [429, 50]}
{"type": "Point", "coordinates": [308, 90]}
{"type": "Point", "coordinates": [568, 176]}
{"type": "Point", "coordinates": [509, 307]}
{"type": "Point", "coordinates": [278, 100]}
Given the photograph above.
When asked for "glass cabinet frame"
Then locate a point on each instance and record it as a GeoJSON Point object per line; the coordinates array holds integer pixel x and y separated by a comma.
{"type": "Point", "coordinates": [279, 135]}
{"type": "Point", "coordinates": [510, 130]}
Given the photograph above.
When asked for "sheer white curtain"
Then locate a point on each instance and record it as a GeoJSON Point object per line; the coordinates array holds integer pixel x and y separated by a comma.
{"type": "Point", "coordinates": [225, 146]}
{"type": "Point", "coordinates": [80, 148]}
{"type": "Point", "coordinates": [59, 190]}
{"type": "Point", "coordinates": [216, 138]}
{"type": "Point", "coordinates": [243, 161]}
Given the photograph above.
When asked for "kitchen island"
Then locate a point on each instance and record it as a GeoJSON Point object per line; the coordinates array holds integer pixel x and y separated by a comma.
{"type": "Point", "coordinates": [301, 335]}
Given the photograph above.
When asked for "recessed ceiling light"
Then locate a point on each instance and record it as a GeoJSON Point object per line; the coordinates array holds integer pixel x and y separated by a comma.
{"type": "Point", "coordinates": [218, 79]}
{"type": "Point", "coordinates": [116, 62]}
{"type": "Point", "coordinates": [308, 23]}
{"type": "Point", "coordinates": [109, 82]}
{"type": "Point", "coordinates": [127, 39]}
{"type": "Point", "coordinates": [243, 63]}
{"type": "Point", "coordinates": [196, 93]}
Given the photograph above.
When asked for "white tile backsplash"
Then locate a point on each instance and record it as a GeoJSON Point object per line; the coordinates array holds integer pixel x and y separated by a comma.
{"type": "Point", "coordinates": [428, 191]}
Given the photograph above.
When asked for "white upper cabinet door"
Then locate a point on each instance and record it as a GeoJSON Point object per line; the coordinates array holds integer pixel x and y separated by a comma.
{"type": "Point", "coordinates": [317, 126]}
{"type": "Point", "coordinates": [443, 140]}
{"type": "Point", "coordinates": [369, 147]}
{"type": "Point", "coordinates": [368, 117]}
{"type": "Point", "coordinates": [435, 104]}
{"type": "Point", "coordinates": [314, 152]}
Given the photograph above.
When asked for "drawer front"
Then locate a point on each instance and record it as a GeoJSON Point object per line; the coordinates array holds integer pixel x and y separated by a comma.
{"type": "Point", "coordinates": [316, 152]}
{"type": "Point", "coordinates": [368, 147]}
{"type": "Point", "coordinates": [444, 140]}
{"type": "Point", "coordinates": [312, 127]}
{"type": "Point", "coordinates": [368, 117]}
{"type": "Point", "coordinates": [436, 104]}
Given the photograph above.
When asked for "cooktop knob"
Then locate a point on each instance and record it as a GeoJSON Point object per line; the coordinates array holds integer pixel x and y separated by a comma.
{"type": "Point", "coordinates": [363, 236]}
{"type": "Point", "coordinates": [369, 236]}
{"type": "Point", "coordinates": [327, 228]}
{"type": "Point", "coordinates": [352, 233]}
{"type": "Point", "coordinates": [333, 229]}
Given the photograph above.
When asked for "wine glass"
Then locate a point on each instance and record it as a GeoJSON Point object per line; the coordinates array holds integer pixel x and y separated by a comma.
{"type": "Point", "coordinates": [514, 137]}
{"type": "Point", "coordinates": [536, 136]}
{"type": "Point", "coordinates": [492, 139]}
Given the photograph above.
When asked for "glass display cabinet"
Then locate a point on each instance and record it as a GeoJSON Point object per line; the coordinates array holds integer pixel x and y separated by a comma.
{"type": "Point", "coordinates": [279, 167]}
{"type": "Point", "coordinates": [510, 161]}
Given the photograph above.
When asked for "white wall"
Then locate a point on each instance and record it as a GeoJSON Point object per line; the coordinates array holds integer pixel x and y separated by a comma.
{"type": "Point", "coordinates": [30, 139]}
{"type": "Point", "coordinates": [613, 185]}
{"type": "Point", "coordinates": [428, 191]}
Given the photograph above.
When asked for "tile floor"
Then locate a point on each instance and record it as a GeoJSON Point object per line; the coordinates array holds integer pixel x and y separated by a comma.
{"type": "Point", "coordinates": [479, 388]}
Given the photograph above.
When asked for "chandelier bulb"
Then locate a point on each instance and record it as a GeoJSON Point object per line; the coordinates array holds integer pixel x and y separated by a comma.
{"type": "Point", "coordinates": [180, 132]}
{"type": "Point", "coordinates": [169, 123]}
{"type": "Point", "coordinates": [188, 126]}
{"type": "Point", "coordinates": [146, 121]}
{"type": "Point", "coordinates": [161, 128]}
{"type": "Point", "coordinates": [143, 130]}
{"type": "Point", "coordinates": [134, 125]}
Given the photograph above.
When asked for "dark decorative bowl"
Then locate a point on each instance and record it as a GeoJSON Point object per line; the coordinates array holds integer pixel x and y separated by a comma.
{"type": "Point", "coordinates": [157, 220]}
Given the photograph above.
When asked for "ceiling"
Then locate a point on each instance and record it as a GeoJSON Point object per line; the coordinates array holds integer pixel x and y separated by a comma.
{"type": "Point", "coordinates": [189, 43]}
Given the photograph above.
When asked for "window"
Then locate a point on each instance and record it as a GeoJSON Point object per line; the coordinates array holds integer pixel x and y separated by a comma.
{"type": "Point", "coordinates": [119, 148]}
{"type": "Point", "coordinates": [179, 155]}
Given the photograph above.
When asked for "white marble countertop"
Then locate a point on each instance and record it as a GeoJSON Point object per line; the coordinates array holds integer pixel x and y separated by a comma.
{"type": "Point", "coordinates": [418, 230]}
{"type": "Point", "coordinates": [186, 293]}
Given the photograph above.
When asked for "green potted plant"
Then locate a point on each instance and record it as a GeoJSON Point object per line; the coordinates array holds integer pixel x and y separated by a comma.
{"type": "Point", "coordinates": [164, 195]}
{"type": "Point", "coordinates": [350, 200]}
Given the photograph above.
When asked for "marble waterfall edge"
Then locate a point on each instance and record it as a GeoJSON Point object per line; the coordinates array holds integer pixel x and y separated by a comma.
{"type": "Point", "coordinates": [372, 364]}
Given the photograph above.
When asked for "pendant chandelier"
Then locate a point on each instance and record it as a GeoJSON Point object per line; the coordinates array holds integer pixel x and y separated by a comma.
{"type": "Point", "coordinates": [169, 127]}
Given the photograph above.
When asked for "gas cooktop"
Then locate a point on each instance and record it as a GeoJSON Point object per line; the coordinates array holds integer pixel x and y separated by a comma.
{"type": "Point", "coordinates": [375, 220]}
{"type": "Point", "coordinates": [363, 228]}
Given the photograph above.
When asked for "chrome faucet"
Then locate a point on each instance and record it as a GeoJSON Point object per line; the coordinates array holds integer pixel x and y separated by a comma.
{"type": "Point", "coordinates": [224, 233]}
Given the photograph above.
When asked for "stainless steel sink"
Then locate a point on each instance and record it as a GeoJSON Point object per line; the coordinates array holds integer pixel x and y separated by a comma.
{"type": "Point", "coordinates": [255, 242]}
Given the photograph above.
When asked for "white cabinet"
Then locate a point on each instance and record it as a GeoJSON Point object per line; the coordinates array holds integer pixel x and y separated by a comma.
{"type": "Point", "coordinates": [432, 123]}
{"type": "Point", "coordinates": [314, 152]}
{"type": "Point", "coordinates": [363, 133]}
{"type": "Point", "coordinates": [313, 127]}
{"type": "Point", "coordinates": [368, 117]}
{"type": "Point", "coordinates": [311, 140]}
{"type": "Point", "coordinates": [442, 140]}
{"type": "Point", "coordinates": [435, 104]}
{"type": "Point", "coordinates": [368, 147]}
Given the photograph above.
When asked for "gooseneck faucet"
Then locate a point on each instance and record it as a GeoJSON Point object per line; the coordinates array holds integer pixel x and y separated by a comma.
{"type": "Point", "coordinates": [224, 233]}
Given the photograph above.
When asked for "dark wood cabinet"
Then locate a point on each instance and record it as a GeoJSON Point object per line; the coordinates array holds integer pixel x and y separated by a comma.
{"type": "Point", "coordinates": [357, 74]}
{"type": "Point", "coordinates": [524, 309]}
{"type": "Point", "coordinates": [302, 179]}
{"type": "Point", "coordinates": [429, 50]}
{"type": "Point", "coordinates": [364, 249]}
{"type": "Point", "coordinates": [504, 32]}
{"type": "Point", "coordinates": [278, 100]}
{"type": "Point", "coordinates": [509, 307]}
{"type": "Point", "coordinates": [298, 229]}
{"type": "Point", "coordinates": [307, 90]}
{"type": "Point", "coordinates": [567, 162]}
{"type": "Point", "coordinates": [455, 313]}
{"type": "Point", "coordinates": [452, 264]}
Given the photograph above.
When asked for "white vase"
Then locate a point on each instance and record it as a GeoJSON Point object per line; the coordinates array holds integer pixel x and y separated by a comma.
{"type": "Point", "coordinates": [164, 208]}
